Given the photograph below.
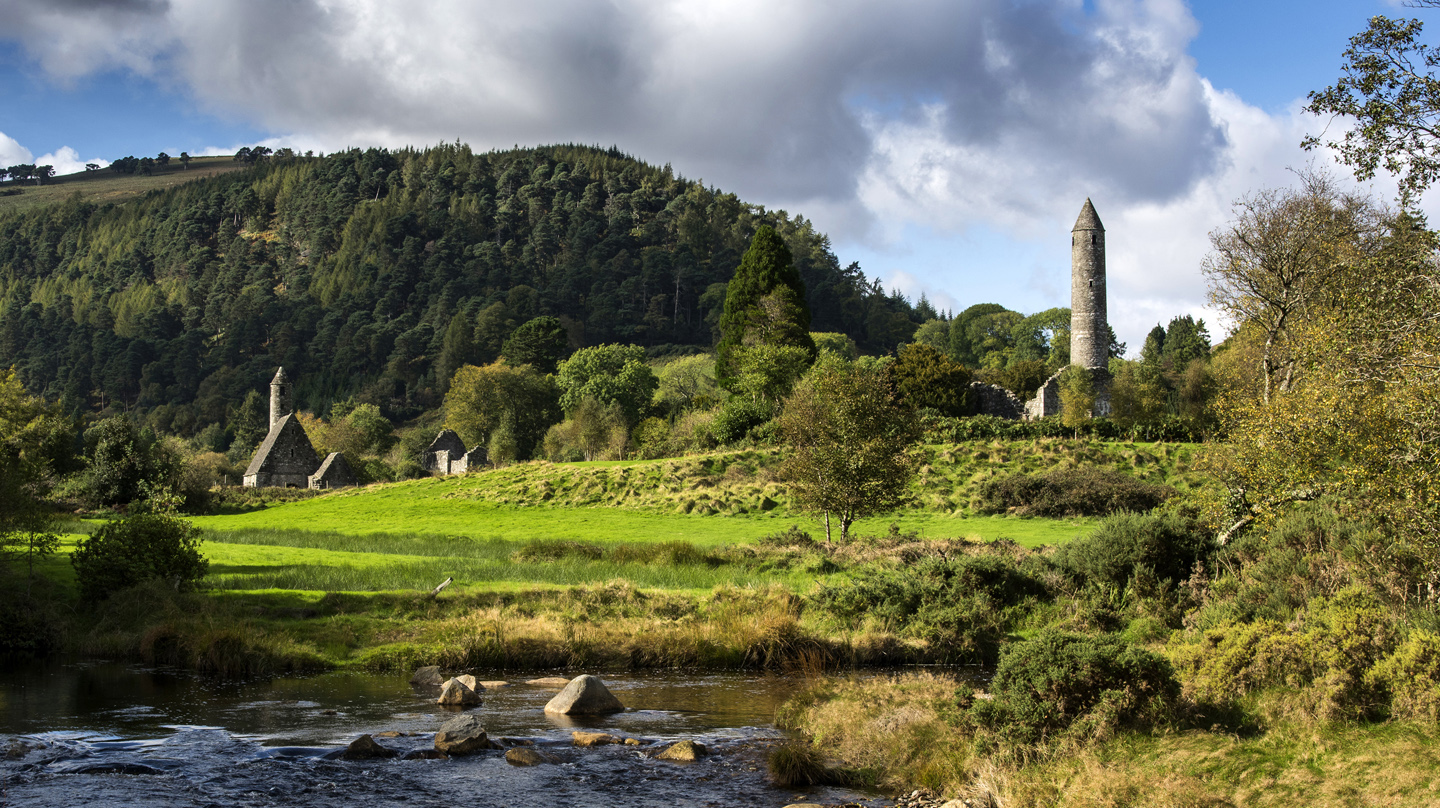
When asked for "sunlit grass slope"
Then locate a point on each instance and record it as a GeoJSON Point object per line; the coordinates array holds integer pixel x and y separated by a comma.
{"type": "Point", "coordinates": [100, 187]}
{"type": "Point", "coordinates": [709, 500]}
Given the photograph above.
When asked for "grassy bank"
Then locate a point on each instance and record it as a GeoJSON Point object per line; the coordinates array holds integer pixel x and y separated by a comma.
{"type": "Point", "coordinates": [692, 561]}
{"type": "Point", "coordinates": [901, 733]}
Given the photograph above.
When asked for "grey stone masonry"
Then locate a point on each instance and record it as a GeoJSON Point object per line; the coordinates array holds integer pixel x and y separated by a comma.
{"type": "Point", "coordinates": [996, 401]}
{"type": "Point", "coordinates": [285, 459]}
{"type": "Point", "coordinates": [335, 472]}
{"type": "Point", "coordinates": [1089, 326]}
{"type": "Point", "coordinates": [446, 447]}
{"type": "Point", "coordinates": [282, 398]}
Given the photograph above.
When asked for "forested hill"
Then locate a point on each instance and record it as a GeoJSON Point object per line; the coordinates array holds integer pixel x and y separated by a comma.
{"type": "Point", "coordinates": [375, 274]}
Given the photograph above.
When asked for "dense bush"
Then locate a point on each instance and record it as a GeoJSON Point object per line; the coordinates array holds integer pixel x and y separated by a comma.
{"type": "Point", "coordinates": [135, 549]}
{"type": "Point", "coordinates": [1071, 492]}
{"type": "Point", "coordinates": [1060, 685]}
{"type": "Point", "coordinates": [965, 605]}
{"type": "Point", "coordinates": [1326, 659]}
{"type": "Point", "coordinates": [1168, 544]}
{"type": "Point", "coordinates": [939, 429]}
{"type": "Point", "coordinates": [739, 416]}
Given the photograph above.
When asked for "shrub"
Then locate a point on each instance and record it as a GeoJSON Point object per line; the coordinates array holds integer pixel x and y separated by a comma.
{"type": "Point", "coordinates": [1411, 678]}
{"type": "Point", "coordinates": [1325, 658]}
{"type": "Point", "coordinates": [791, 537]}
{"type": "Point", "coordinates": [1060, 685]}
{"type": "Point", "coordinates": [963, 606]}
{"type": "Point", "coordinates": [738, 416]}
{"type": "Point", "coordinates": [135, 549]}
{"type": "Point", "coordinates": [1071, 492]}
{"type": "Point", "coordinates": [1167, 543]}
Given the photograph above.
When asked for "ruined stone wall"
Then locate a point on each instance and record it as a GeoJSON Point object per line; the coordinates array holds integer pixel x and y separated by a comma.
{"type": "Point", "coordinates": [996, 401]}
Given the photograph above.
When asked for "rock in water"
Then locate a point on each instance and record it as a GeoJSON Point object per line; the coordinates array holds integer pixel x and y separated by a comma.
{"type": "Point", "coordinates": [548, 681]}
{"type": "Point", "coordinates": [585, 695]}
{"type": "Point", "coordinates": [594, 739]}
{"type": "Point", "coordinates": [684, 751]}
{"type": "Point", "coordinates": [462, 735]}
{"type": "Point", "coordinates": [428, 676]}
{"type": "Point", "coordinates": [525, 756]}
{"type": "Point", "coordinates": [456, 694]}
{"type": "Point", "coordinates": [365, 748]}
{"type": "Point", "coordinates": [470, 682]}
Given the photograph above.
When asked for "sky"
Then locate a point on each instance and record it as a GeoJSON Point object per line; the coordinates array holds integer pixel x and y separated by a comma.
{"type": "Point", "coordinates": [945, 145]}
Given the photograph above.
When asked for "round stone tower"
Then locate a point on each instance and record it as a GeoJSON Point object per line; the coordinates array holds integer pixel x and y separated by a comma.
{"type": "Point", "coordinates": [1089, 326]}
{"type": "Point", "coordinates": [282, 400]}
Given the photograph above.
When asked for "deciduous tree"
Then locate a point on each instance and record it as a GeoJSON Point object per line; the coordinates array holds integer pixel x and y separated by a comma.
{"type": "Point", "coordinates": [851, 442]}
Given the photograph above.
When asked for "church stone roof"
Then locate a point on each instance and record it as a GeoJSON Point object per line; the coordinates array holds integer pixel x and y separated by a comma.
{"type": "Point", "coordinates": [286, 450]}
{"type": "Point", "coordinates": [1089, 219]}
{"type": "Point", "coordinates": [447, 439]}
{"type": "Point", "coordinates": [335, 472]}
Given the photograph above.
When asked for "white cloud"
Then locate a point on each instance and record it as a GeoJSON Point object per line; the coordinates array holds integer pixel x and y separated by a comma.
{"type": "Point", "coordinates": [11, 152]}
{"type": "Point", "coordinates": [67, 161]}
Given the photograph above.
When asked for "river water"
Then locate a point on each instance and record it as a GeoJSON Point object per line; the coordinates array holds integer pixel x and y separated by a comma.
{"type": "Point", "coordinates": [108, 734]}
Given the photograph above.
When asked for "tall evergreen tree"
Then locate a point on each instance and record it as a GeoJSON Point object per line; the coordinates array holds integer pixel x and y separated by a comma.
{"type": "Point", "coordinates": [766, 270]}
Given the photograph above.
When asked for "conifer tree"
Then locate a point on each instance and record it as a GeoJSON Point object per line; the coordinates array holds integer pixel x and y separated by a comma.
{"type": "Point", "coordinates": [766, 270]}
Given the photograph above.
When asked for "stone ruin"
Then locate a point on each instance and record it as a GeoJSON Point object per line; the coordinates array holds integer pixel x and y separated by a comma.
{"type": "Point", "coordinates": [286, 458]}
{"type": "Point", "coordinates": [447, 455]}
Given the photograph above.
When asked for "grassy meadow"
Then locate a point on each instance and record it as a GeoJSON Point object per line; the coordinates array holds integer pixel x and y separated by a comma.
{"type": "Point", "coordinates": [105, 186]}
{"type": "Point", "coordinates": [689, 560]}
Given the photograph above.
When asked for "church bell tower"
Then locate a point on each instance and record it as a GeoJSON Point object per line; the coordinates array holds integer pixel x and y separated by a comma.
{"type": "Point", "coordinates": [282, 399]}
{"type": "Point", "coordinates": [1089, 324]}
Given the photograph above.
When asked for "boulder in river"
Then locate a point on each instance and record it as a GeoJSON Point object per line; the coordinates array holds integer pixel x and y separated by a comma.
{"type": "Point", "coordinates": [470, 682]}
{"type": "Point", "coordinates": [428, 676]}
{"type": "Point", "coordinates": [527, 756]}
{"type": "Point", "coordinates": [684, 751]}
{"type": "Point", "coordinates": [548, 681]}
{"type": "Point", "coordinates": [585, 695]}
{"type": "Point", "coordinates": [462, 735]}
{"type": "Point", "coordinates": [594, 739]}
{"type": "Point", "coordinates": [456, 694]}
{"type": "Point", "coordinates": [365, 748]}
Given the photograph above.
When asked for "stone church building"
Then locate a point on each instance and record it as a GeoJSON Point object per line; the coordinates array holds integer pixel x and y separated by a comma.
{"type": "Point", "coordinates": [286, 459]}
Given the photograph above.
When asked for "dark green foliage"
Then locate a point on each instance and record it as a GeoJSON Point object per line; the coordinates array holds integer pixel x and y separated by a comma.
{"type": "Point", "coordinates": [28, 625]}
{"type": "Point", "coordinates": [540, 343]}
{"type": "Point", "coordinates": [964, 605]}
{"type": "Point", "coordinates": [1071, 492]}
{"type": "Point", "coordinates": [738, 416]}
{"type": "Point", "coordinates": [792, 536]}
{"type": "Point", "coordinates": [120, 463]}
{"type": "Point", "coordinates": [1082, 687]}
{"type": "Point", "coordinates": [988, 427]}
{"type": "Point", "coordinates": [129, 551]}
{"type": "Point", "coordinates": [609, 375]}
{"type": "Point", "coordinates": [378, 264]}
{"type": "Point", "coordinates": [1169, 544]}
{"type": "Point", "coordinates": [766, 270]}
{"type": "Point", "coordinates": [927, 378]}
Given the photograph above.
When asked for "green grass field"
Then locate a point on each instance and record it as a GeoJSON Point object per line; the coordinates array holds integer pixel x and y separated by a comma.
{"type": "Point", "coordinates": [104, 186]}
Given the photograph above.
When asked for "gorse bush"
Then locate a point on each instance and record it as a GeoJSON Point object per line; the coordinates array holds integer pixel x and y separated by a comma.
{"type": "Point", "coordinates": [1327, 660]}
{"type": "Point", "coordinates": [965, 605]}
{"type": "Point", "coordinates": [136, 549]}
{"type": "Point", "coordinates": [1059, 686]}
{"type": "Point", "coordinates": [1071, 492]}
{"type": "Point", "coordinates": [1168, 544]}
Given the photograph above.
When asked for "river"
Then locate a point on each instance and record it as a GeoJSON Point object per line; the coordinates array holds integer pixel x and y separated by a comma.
{"type": "Point", "coordinates": [109, 734]}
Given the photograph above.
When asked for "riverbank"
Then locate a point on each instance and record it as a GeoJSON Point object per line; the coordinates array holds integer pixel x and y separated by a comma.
{"type": "Point", "coordinates": [904, 732]}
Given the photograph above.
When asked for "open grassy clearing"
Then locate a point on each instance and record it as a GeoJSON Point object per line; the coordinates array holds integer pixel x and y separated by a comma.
{"type": "Point", "coordinates": [105, 186]}
{"type": "Point", "coordinates": [708, 500]}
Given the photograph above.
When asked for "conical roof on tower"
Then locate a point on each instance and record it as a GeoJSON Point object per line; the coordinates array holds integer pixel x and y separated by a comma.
{"type": "Point", "coordinates": [280, 377]}
{"type": "Point", "coordinates": [1089, 219]}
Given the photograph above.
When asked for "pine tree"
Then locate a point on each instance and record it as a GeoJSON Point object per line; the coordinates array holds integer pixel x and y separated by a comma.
{"type": "Point", "coordinates": [766, 267]}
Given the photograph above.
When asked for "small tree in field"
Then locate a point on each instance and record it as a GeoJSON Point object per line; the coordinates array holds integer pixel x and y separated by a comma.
{"type": "Point", "coordinates": [851, 441]}
{"type": "Point", "coordinates": [1077, 396]}
{"type": "Point", "coordinates": [136, 549]}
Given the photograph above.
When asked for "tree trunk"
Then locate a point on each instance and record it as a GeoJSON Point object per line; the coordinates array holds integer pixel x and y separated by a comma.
{"type": "Point", "coordinates": [827, 527]}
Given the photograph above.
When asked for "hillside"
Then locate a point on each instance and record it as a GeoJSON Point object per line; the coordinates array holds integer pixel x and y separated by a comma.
{"type": "Point", "coordinates": [106, 187]}
{"type": "Point", "coordinates": [374, 274]}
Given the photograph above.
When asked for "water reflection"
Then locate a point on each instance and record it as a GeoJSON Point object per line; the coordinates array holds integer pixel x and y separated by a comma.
{"type": "Point", "coordinates": [121, 734]}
